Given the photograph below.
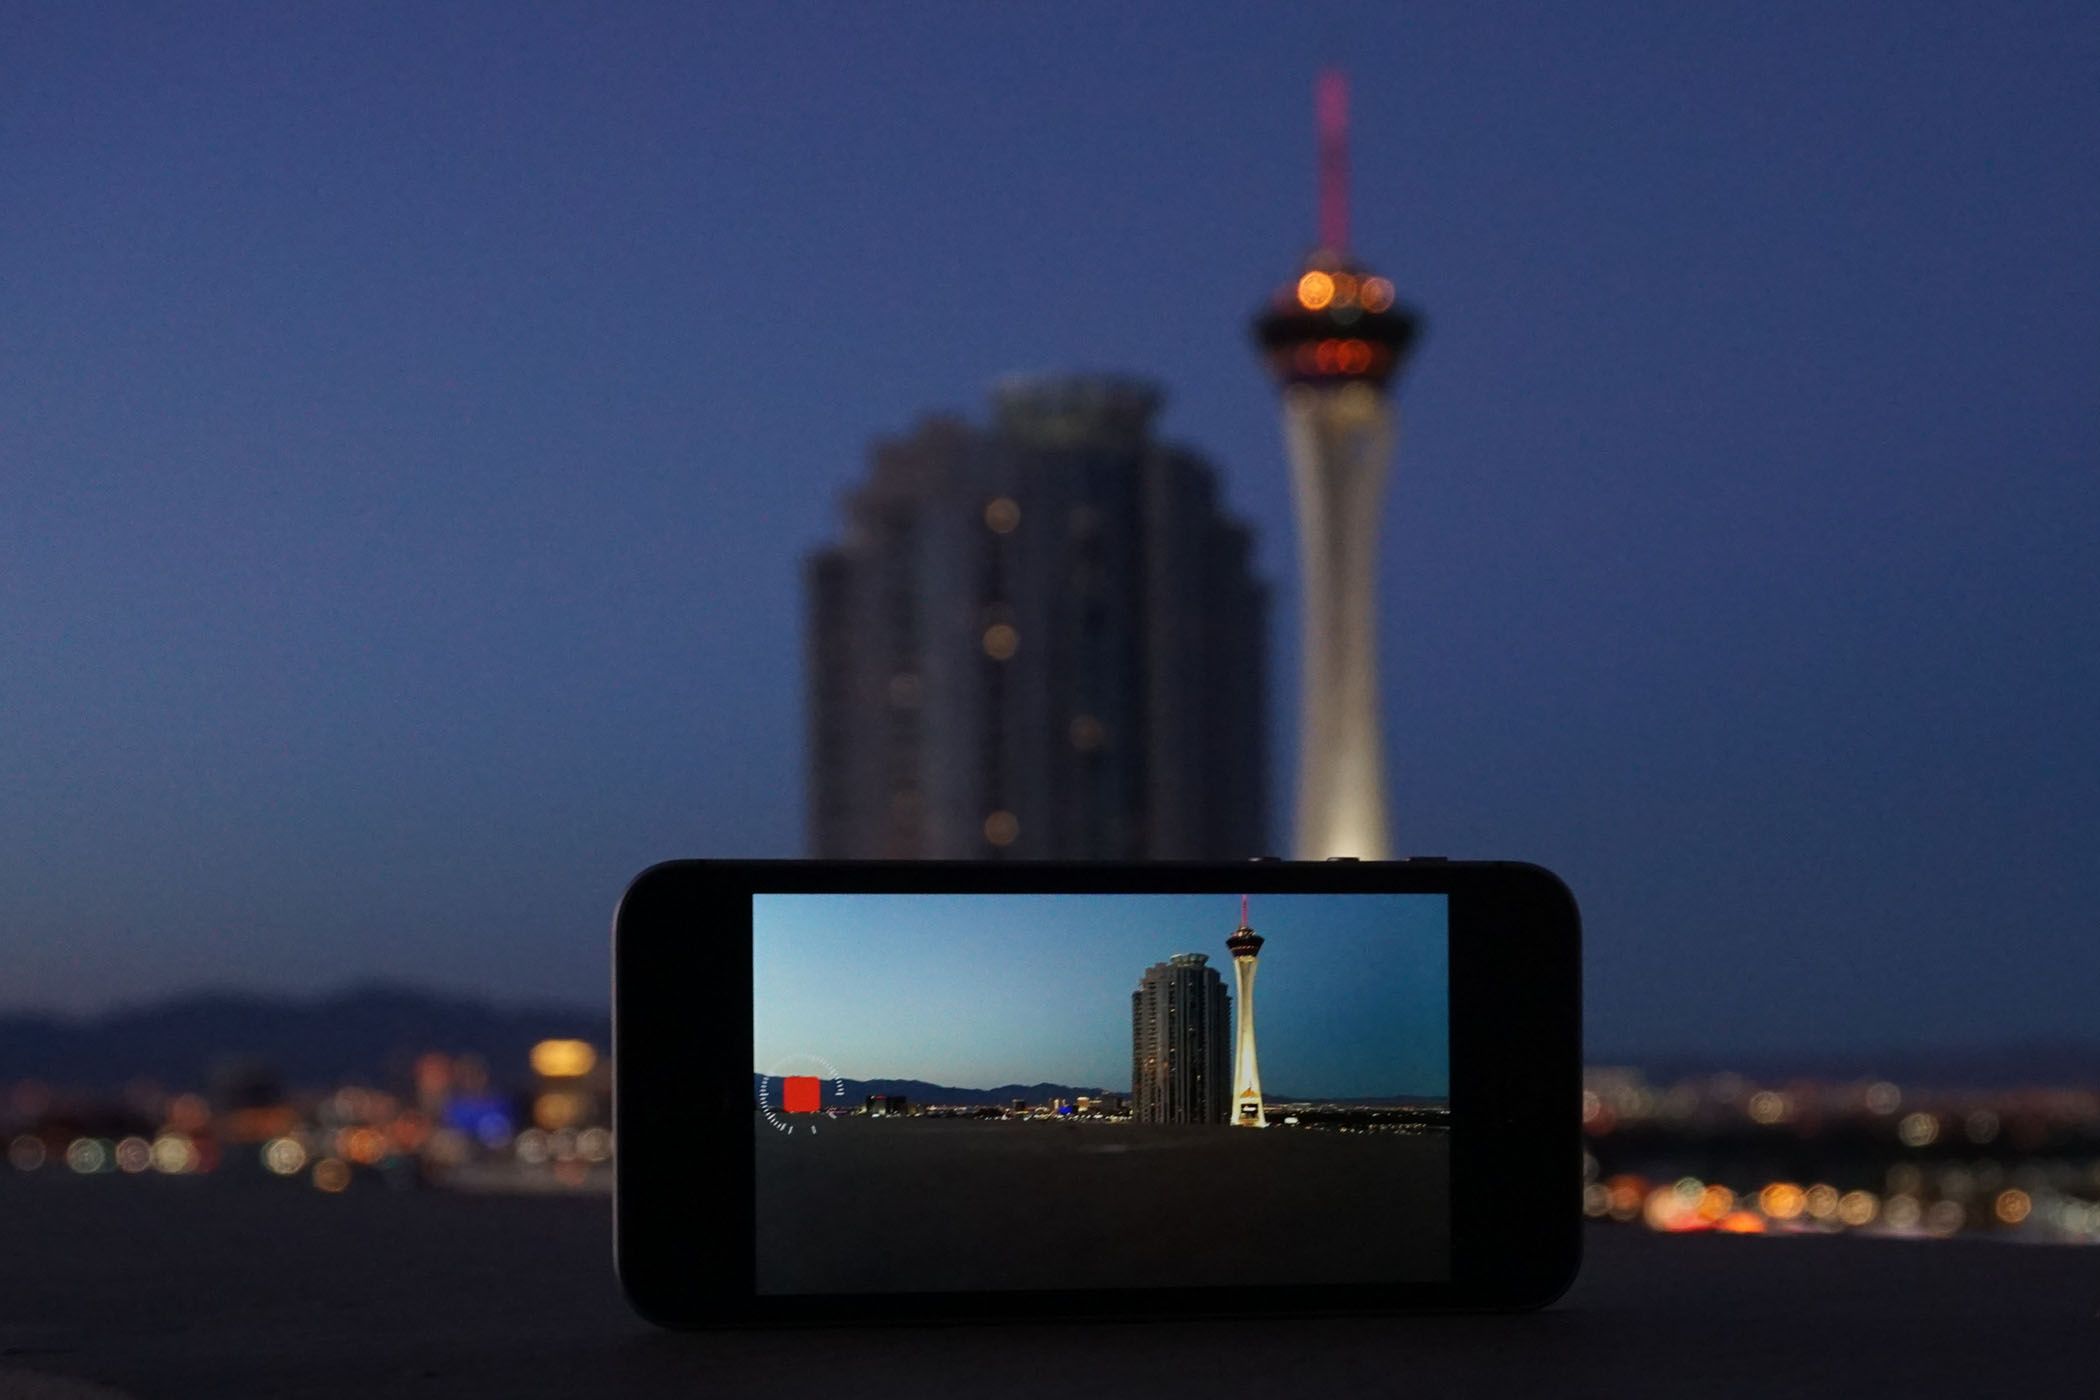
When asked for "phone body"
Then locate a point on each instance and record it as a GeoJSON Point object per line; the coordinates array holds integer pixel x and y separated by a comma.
{"type": "Point", "coordinates": [865, 1091]}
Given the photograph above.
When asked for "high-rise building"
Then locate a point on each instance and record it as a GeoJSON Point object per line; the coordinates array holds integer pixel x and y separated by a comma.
{"type": "Point", "coordinates": [1245, 947]}
{"type": "Point", "coordinates": [1180, 1047]}
{"type": "Point", "coordinates": [1039, 639]}
{"type": "Point", "coordinates": [1335, 338]}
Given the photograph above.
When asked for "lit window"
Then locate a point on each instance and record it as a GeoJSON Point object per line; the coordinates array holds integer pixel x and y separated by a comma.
{"type": "Point", "coordinates": [1001, 641]}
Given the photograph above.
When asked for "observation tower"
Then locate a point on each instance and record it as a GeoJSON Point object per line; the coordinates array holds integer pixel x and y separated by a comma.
{"type": "Point", "coordinates": [1245, 947]}
{"type": "Point", "coordinates": [1336, 339]}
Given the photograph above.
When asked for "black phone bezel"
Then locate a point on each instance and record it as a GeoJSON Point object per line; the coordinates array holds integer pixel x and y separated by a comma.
{"type": "Point", "coordinates": [685, 1235]}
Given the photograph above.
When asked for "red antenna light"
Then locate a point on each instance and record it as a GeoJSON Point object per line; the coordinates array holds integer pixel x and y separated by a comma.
{"type": "Point", "coordinates": [1331, 99]}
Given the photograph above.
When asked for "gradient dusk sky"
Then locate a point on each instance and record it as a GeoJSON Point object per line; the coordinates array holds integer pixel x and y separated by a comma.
{"type": "Point", "coordinates": [412, 419]}
{"type": "Point", "coordinates": [975, 991]}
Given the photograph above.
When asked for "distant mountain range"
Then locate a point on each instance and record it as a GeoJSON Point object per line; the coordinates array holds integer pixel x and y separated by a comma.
{"type": "Point", "coordinates": [374, 1032]}
{"type": "Point", "coordinates": [364, 1033]}
{"type": "Point", "coordinates": [2054, 1063]}
{"type": "Point", "coordinates": [919, 1091]}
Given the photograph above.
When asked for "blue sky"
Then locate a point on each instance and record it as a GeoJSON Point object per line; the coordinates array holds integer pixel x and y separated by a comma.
{"type": "Point", "coordinates": [412, 419]}
{"type": "Point", "coordinates": [975, 991]}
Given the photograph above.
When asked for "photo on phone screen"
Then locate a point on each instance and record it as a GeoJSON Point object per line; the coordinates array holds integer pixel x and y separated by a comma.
{"type": "Point", "coordinates": [957, 1092]}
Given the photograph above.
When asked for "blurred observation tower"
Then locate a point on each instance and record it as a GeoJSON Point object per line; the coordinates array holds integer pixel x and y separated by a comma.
{"type": "Point", "coordinates": [1335, 340]}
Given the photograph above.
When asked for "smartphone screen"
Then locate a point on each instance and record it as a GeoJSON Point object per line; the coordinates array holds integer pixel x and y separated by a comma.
{"type": "Point", "coordinates": [967, 1092]}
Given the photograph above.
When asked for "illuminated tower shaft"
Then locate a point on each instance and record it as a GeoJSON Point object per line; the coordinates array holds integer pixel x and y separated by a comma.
{"type": "Point", "coordinates": [1340, 441]}
{"type": "Point", "coordinates": [1245, 946]}
{"type": "Point", "coordinates": [1335, 339]}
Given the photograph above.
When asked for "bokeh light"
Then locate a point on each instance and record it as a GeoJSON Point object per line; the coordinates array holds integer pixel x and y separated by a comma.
{"type": "Point", "coordinates": [1767, 1107]}
{"type": "Point", "coordinates": [362, 1145]}
{"type": "Point", "coordinates": [1856, 1208]}
{"type": "Point", "coordinates": [1001, 641]}
{"type": "Point", "coordinates": [173, 1154]}
{"type": "Point", "coordinates": [554, 1111]}
{"type": "Point", "coordinates": [133, 1155]}
{"type": "Point", "coordinates": [1002, 515]}
{"type": "Point", "coordinates": [284, 1155]}
{"type": "Point", "coordinates": [1667, 1209]}
{"type": "Point", "coordinates": [563, 1059]}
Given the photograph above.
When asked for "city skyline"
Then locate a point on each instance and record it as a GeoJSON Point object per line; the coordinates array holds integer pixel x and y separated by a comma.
{"type": "Point", "coordinates": [975, 991]}
{"type": "Point", "coordinates": [415, 420]}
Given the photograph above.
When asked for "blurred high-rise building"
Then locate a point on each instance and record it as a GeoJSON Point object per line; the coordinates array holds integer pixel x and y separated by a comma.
{"type": "Point", "coordinates": [1039, 639]}
{"type": "Point", "coordinates": [1181, 1043]}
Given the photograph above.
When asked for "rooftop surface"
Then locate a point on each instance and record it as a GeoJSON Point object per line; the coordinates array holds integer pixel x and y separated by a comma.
{"type": "Point", "coordinates": [179, 1287]}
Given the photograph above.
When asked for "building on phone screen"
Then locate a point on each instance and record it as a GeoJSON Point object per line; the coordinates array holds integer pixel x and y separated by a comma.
{"type": "Point", "coordinates": [1180, 1043]}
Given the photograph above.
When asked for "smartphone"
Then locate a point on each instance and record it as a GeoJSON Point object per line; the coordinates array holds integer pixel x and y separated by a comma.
{"type": "Point", "coordinates": [869, 1091]}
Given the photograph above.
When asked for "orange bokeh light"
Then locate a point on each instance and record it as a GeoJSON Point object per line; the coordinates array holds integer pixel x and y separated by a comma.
{"type": "Point", "coordinates": [365, 1146]}
{"type": "Point", "coordinates": [563, 1059]}
{"type": "Point", "coordinates": [1315, 290]}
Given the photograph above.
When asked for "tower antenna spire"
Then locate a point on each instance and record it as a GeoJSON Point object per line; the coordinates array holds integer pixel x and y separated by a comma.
{"type": "Point", "coordinates": [1331, 99]}
{"type": "Point", "coordinates": [1243, 911]}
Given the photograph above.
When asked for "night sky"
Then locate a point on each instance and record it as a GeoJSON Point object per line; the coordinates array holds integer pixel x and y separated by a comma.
{"type": "Point", "coordinates": [412, 419]}
{"type": "Point", "coordinates": [976, 991]}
